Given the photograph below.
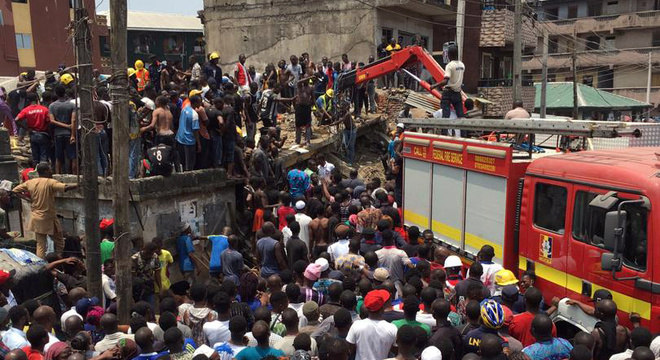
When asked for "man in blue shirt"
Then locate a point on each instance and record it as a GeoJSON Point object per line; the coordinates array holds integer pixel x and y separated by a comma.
{"type": "Point", "coordinates": [298, 182]}
{"type": "Point", "coordinates": [546, 347]}
{"type": "Point", "coordinates": [261, 333]}
{"type": "Point", "coordinates": [186, 250]}
{"type": "Point", "coordinates": [187, 136]}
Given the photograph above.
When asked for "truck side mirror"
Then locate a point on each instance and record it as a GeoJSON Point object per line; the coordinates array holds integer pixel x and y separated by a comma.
{"type": "Point", "coordinates": [608, 262]}
{"type": "Point", "coordinates": [612, 230]}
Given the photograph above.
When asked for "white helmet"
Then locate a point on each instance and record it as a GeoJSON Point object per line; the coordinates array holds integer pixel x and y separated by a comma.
{"type": "Point", "coordinates": [453, 261]}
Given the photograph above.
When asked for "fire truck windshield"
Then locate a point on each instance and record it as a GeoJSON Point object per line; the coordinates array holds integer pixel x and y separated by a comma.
{"type": "Point", "coordinates": [589, 226]}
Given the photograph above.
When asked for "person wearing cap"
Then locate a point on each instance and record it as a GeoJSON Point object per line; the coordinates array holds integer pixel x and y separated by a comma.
{"type": "Point", "coordinates": [490, 268]}
{"type": "Point", "coordinates": [453, 266]}
{"type": "Point", "coordinates": [600, 294]}
{"type": "Point", "coordinates": [212, 69]}
{"type": "Point", "coordinates": [502, 279]}
{"type": "Point", "coordinates": [43, 217]}
{"type": "Point", "coordinates": [303, 220]}
{"type": "Point", "coordinates": [492, 319]}
{"type": "Point", "coordinates": [142, 75]}
{"type": "Point", "coordinates": [323, 107]}
{"type": "Point", "coordinates": [373, 337]}
{"type": "Point", "coordinates": [187, 136]}
{"type": "Point", "coordinates": [107, 235]}
{"type": "Point", "coordinates": [324, 281]}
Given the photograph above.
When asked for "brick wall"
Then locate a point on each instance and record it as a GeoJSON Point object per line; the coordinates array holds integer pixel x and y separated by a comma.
{"type": "Point", "coordinates": [502, 98]}
{"type": "Point", "coordinates": [497, 29]}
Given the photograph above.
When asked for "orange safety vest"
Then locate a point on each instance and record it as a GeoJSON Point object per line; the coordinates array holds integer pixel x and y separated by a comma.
{"type": "Point", "coordinates": [142, 77]}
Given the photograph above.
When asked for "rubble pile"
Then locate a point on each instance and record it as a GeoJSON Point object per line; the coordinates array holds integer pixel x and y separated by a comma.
{"type": "Point", "coordinates": [21, 152]}
{"type": "Point", "coordinates": [390, 102]}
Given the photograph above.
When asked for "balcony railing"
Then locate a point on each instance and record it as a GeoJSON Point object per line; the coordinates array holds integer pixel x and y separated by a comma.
{"type": "Point", "coordinates": [605, 23]}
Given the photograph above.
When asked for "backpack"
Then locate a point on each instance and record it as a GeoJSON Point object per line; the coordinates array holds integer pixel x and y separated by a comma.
{"type": "Point", "coordinates": [197, 325]}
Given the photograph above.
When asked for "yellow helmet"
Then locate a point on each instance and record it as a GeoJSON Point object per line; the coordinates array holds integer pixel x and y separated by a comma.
{"type": "Point", "coordinates": [139, 64]}
{"type": "Point", "coordinates": [66, 79]}
{"type": "Point", "coordinates": [194, 92]}
{"type": "Point", "coordinates": [330, 93]}
{"type": "Point", "coordinates": [24, 73]}
{"type": "Point", "coordinates": [505, 277]}
{"type": "Point", "coordinates": [130, 72]}
{"type": "Point", "coordinates": [214, 55]}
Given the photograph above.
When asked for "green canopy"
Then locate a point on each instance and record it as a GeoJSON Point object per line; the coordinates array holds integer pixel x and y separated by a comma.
{"type": "Point", "coordinates": [560, 96]}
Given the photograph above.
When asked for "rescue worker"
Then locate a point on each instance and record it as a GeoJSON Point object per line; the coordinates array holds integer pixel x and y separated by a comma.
{"type": "Point", "coordinates": [323, 107]}
{"type": "Point", "coordinates": [453, 266]}
{"type": "Point", "coordinates": [132, 81]}
{"type": "Point", "coordinates": [67, 80]}
{"type": "Point", "coordinates": [212, 69]}
{"type": "Point", "coordinates": [141, 75]}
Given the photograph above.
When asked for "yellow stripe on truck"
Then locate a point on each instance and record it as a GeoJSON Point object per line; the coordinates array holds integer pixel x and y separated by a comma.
{"type": "Point", "coordinates": [574, 284]}
{"type": "Point", "coordinates": [453, 232]}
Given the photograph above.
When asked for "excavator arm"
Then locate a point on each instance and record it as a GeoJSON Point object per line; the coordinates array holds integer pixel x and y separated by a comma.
{"type": "Point", "coordinates": [392, 63]}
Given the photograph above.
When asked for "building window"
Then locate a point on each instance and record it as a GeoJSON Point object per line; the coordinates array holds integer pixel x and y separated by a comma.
{"type": "Point", "coordinates": [572, 12]}
{"type": "Point", "coordinates": [588, 80]}
{"type": "Point", "coordinates": [550, 207]}
{"type": "Point", "coordinates": [173, 44]}
{"type": "Point", "coordinates": [104, 45]}
{"type": "Point", "coordinates": [610, 43]}
{"type": "Point", "coordinates": [387, 34]}
{"type": "Point", "coordinates": [23, 41]}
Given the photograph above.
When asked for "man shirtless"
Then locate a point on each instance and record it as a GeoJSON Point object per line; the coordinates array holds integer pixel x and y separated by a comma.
{"type": "Point", "coordinates": [304, 104]}
{"type": "Point", "coordinates": [161, 121]}
{"type": "Point", "coordinates": [318, 233]}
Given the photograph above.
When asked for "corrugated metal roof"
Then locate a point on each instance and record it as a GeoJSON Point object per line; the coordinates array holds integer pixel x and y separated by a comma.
{"type": "Point", "coordinates": [560, 96]}
{"type": "Point", "coordinates": [149, 21]}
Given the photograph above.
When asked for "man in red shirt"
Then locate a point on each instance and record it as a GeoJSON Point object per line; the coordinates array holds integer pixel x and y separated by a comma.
{"type": "Point", "coordinates": [35, 118]}
{"type": "Point", "coordinates": [521, 326]}
{"type": "Point", "coordinates": [38, 338]}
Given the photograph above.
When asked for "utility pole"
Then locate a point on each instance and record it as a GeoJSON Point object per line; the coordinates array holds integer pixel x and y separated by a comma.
{"type": "Point", "coordinates": [460, 27]}
{"type": "Point", "coordinates": [517, 50]}
{"type": "Point", "coordinates": [544, 75]}
{"type": "Point", "coordinates": [120, 138]}
{"type": "Point", "coordinates": [90, 150]}
{"type": "Point", "coordinates": [649, 78]}
{"type": "Point", "coordinates": [575, 80]}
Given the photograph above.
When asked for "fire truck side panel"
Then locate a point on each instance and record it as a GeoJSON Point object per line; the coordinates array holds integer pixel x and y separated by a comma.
{"type": "Point", "coordinates": [417, 190]}
{"type": "Point", "coordinates": [485, 213]}
{"type": "Point", "coordinates": [449, 199]}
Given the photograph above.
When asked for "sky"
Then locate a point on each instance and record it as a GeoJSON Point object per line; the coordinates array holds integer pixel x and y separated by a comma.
{"type": "Point", "coordinates": [184, 7]}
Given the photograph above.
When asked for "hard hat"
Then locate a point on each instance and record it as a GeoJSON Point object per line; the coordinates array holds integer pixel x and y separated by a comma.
{"type": "Point", "coordinates": [492, 314]}
{"type": "Point", "coordinates": [66, 79]}
{"type": "Point", "coordinates": [505, 277]}
{"type": "Point", "coordinates": [24, 73]}
{"type": "Point", "coordinates": [130, 72]}
{"type": "Point", "coordinates": [330, 93]}
{"type": "Point", "coordinates": [139, 64]}
{"type": "Point", "coordinates": [214, 55]}
{"type": "Point", "coordinates": [194, 92]}
{"type": "Point", "coordinates": [453, 261]}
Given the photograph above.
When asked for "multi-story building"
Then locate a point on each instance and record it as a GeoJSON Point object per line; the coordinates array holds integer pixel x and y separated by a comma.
{"type": "Point", "coordinates": [612, 41]}
{"type": "Point", "coordinates": [37, 35]}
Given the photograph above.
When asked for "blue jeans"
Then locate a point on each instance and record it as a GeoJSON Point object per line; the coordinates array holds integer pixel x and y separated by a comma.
{"type": "Point", "coordinates": [40, 145]}
{"type": "Point", "coordinates": [134, 155]}
{"type": "Point", "coordinates": [451, 98]}
{"type": "Point", "coordinates": [349, 136]}
{"type": "Point", "coordinates": [104, 148]}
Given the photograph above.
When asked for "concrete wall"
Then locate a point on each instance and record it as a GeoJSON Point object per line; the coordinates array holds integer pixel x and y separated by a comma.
{"type": "Point", "coordinates": [633, 39]}
{"type": "Point", "coordinates": [630, 77]}
{"type": "Point", "coordinates": [502, 97]}
{"type": "Point", "coordinates": [399, 23]}
{"type": "Point", "coordinates": [267, 31]}
{"type": "Point", "coordinates": [201, 198]}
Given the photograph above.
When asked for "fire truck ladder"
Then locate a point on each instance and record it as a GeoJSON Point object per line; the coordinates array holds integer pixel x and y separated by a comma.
{"type": "Point", "coordinates": [579, 128]}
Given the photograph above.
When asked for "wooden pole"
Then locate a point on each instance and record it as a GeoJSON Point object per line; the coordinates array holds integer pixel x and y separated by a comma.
{"type": "Point", "coordinates": [460, 27]}
{"type": "Point", "coordinates": [517, 51]}
{"type": "Point", "coordinates": [544, 75]}
{"type": "Point", "coordinates": [90, 150]}
{"type": "Point", "coordinates": [120, 139]}
{"type": "Point", "coordinates": [575, 80]}
{"type": "Point", "coordinates": [649, 78]}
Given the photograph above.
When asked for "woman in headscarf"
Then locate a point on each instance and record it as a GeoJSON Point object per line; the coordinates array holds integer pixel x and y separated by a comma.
{"type": "Point", "coordinates": [58, 351]}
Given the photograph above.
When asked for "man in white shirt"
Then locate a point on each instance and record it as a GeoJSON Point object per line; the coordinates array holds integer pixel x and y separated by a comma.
{"type": "Point", "coordinates": [237, 340]}
{"type": "Point", "coordinates": [340, 247]}
{"type": "Point", "coordinates": [452, 85]}
{"type": "Point", "coordinates": [74, 295]}
{"type": "Point", "coordinates": [108, 283]}
{"type": "Point", "coordinates": [373, 337]}
{"type": "Point", "coordinates": [485, 256]}
{"type": "Point", "coordinates": [303, 220]}
{"type": "Point", "coordinates": [109, 324]}
{"type": "Point", "coordinates": [217, 331]}
{"type": "Point", "coordinates": [15, 337]}
{"type": "Point", "coordinates": [325, 168]}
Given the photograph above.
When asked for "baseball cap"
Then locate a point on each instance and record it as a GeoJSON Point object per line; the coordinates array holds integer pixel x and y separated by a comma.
{"type": "Point", "coordinates": [312, 272]}
{"type": "Point", "coordinates": [6, 275]}
{"type": "Point", "coordinates": [204, 350]}
{"type": "Point", "coordinates": [323, 263]}
{"type": "Point", "coordinates": [510, 293]}
{"type": "Point", "coordinates": [381, 274]}
{"type": "Point", "coordinates": [310, 307]}
{"type": "Point", "coordinates": [601, 294]}
{"type": "Point", "coordinates": [83, 305]}
{"type": "Point", "coordinates": [300, 204]}
{"type": "Point", "coordinates": [375, 299]}
{"type": "Point", "coordinates": [106, 223]}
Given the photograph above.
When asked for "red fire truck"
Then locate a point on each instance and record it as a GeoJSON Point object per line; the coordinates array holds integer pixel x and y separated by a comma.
{"type": "Point", "coordinates": [581, 221]}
